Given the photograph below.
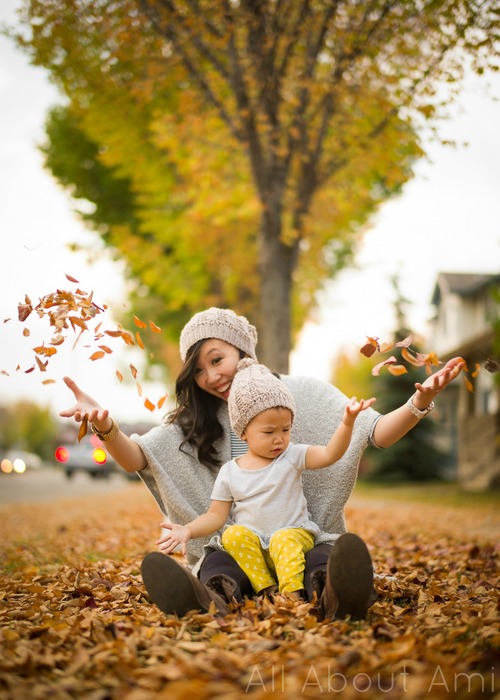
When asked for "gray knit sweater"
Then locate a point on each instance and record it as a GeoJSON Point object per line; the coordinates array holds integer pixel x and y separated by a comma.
{"type": "Point", "coordinates": [182, 486]}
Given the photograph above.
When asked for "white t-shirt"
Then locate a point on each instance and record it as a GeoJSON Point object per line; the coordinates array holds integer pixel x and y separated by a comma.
{"type": "Point", "coordinates": [267, 499]}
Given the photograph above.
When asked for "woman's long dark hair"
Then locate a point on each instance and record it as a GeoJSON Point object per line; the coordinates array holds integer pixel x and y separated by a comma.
{"type": "Point", "coordinates": [196, 412]}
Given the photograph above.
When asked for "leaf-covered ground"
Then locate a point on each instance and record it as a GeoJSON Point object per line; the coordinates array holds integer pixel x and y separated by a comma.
{"type": "Point", "coordinates": [75, 621]}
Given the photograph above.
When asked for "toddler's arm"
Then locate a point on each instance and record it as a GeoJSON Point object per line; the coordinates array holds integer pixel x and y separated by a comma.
{"type": "Point", "coordinates": [319, 456]}
{"type": "Point", "coordinates": [205, 524]}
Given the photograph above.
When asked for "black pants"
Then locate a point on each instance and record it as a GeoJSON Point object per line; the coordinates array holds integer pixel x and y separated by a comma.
{"type": "Point", "coordinates": [219, 562]}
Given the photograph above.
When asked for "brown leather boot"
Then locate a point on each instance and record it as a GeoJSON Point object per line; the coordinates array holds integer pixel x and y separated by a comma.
{"type": "Point", "coordinates": [348, 589]}
{"type": "Point", "coordinates": [174, 589]}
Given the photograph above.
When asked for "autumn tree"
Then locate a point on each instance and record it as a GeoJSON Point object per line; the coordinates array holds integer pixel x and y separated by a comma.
{"type": "Point", "coordinates": [28, 426]}
{"type": "Point", "coordinates": [298, 117]}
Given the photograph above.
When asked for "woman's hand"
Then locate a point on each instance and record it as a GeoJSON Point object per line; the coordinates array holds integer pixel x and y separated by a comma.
{"type": "Point", "coordinates": [86, 406]}
{"type": "Point", "coordinates": [437, 382]}
{"type": "Point", "coordinates": [178, 535]}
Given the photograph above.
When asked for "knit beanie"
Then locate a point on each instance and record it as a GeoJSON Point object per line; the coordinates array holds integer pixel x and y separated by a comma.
{"type": "Point", "coordinates": [222, 324]}
{"type": "Point", "coordinates": [255, 389]}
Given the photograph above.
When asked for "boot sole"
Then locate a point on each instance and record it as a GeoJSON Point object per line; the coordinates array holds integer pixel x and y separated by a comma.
{"type": "Point", "coordinates": [171, 587]}
{"type": "Point", "coordinates": [350, 570]}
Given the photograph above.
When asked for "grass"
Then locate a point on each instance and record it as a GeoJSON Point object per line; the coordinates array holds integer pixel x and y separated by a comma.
{"type": "Point", "coordinates": [437, 493]}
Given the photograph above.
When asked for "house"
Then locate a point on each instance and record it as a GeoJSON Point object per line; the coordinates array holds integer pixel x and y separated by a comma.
{"type": "Point", "coordinates": [467, 324]}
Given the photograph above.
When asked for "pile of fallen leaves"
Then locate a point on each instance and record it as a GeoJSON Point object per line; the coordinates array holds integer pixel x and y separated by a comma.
{"type": "Point", "coordinates": [76, 621]}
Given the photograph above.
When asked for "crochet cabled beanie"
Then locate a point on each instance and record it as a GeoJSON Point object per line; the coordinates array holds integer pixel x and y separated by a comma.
{"type": "Point", "coordinates": [222, 324]}
{"type": "Point", "coordinates": [255, 389]}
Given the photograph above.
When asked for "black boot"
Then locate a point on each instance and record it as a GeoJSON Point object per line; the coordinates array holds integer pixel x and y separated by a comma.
{"type": "Point", "coordinates": [223, 585]}
{"type": "Point", "coordinates": [174, 589]}
{"type": "Point", "coordinates": [348, 587]}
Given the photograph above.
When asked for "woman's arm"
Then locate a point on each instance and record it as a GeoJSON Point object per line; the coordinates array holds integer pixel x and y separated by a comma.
{"type": "Point", "coordinates": [393, 426]}
{"type": "Point", "coordinates": [123, 449]}
{"type": "Point", "coordinates": [205, 524]}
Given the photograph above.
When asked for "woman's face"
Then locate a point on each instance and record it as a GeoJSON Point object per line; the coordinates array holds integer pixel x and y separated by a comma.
{"type": "Point", "coordinates": [216, 367]}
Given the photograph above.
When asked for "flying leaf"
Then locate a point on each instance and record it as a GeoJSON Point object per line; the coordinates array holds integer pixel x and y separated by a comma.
{"type": "Point", "coordinates": [139, 340]}
{"type": "Point", "coordinates": [154, 327]}
{"type": "Point", "coordinates": [390, 361]}
{"type": "Point", "coordinates": [97, 355]}
{"type": "Point", "coordinates": [72, 279]}
{"type": "Point", "coordinates": [468, 384]}
{"type": "Point", "coordinates": [23, 311]}
{"type": "Point", "coordinates": [396, 370]}
{"type": "Point", "coordinates": [139, 323]}
{"type": "Point", "coordinates": [128, 338]}
{"type": "Point", "coordinates": [476, 371]}
{"type": "Point", "coordinates": [370, 347]}
{"type": "Point", "coordinates": [491, 365]}
{"type": "Point", "coordinates": [42, 350]}
{"type": "Point", "coordinates": [139, 388]}
{"type": "Point", "coordinates": [26, 332]}
{"type": "Point", "coordinates": [76, 321]}
{"type": "Point", "coordinates": [42, 366]}
{"type": "Point", "coordinates": [83, 427]}
{"type": "Point", "coordinates": [404, 343]}
{"type": "Point", "coordinates": [119, 375]}
{"type": "Point", "coordinates": [162, 401]}
{"type": "Point", "coordinates": [133, 370]}
{"type": "Point", "coordinates": [150, 406]}
{"type": "Point", "coordinates": [49, 381]}
{"type": "Point", "coordinates": [106, 349]}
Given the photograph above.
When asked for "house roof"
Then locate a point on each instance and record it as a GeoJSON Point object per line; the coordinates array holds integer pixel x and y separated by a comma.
{"type": "Point", "coordinates": [462, 283]}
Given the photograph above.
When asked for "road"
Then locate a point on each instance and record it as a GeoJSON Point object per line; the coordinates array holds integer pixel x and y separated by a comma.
{"type": "Point", "coordinates": [45, 485]}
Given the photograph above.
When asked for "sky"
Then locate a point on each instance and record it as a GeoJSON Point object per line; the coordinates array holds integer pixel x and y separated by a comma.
{"type": "Point", "coordinates": [447, 219]}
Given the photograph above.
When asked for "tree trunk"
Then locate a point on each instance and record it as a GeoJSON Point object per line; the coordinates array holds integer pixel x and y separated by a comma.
{"type": "Point", "coordinates": [276, 264]}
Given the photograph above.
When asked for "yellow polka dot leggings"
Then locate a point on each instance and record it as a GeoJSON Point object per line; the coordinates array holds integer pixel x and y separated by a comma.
{"type": "Point", "coordinates": [282, 564]}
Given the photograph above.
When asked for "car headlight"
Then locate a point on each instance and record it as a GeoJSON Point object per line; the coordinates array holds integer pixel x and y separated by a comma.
{"type": "Point", "coordinates": [19, 465]}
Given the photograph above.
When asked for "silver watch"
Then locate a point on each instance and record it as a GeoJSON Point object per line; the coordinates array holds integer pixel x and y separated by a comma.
{"type": "Point", "coordinates": [416, 411]}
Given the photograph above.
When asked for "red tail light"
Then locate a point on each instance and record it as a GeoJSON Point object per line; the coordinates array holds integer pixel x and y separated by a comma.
{"type": "Point", "coordinates": [62, 454]}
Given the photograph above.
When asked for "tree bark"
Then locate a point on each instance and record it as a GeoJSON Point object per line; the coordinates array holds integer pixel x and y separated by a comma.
{"type": "Point", "coordinates": [277, 262]}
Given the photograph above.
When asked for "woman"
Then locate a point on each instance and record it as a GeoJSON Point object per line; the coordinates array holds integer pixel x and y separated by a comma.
{"type": "Point", "coordinates": [178, 462]}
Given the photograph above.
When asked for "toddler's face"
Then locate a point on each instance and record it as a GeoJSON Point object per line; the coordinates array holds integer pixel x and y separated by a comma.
{"type": "Point", "coordinates": [268, 434]}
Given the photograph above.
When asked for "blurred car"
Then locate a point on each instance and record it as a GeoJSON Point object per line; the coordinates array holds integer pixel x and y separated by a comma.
{"type": "Point", "coordinates": [19, 461]}
{"type": "Point", "coordinates": [87, 456]}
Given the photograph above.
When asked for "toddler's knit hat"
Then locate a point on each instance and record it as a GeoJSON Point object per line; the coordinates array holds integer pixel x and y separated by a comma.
{"type": "Point", "coordinates": [255, 389]}
{"type": "Point", "coordinates": [222, 324]}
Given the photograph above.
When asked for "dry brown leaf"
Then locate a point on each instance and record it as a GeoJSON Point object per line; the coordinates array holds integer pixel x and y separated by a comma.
{"type": "Point", "coordinates": [139, 340]}
{"type": "Point", "coordinates": [83, 427]}
{"type": "Point", "coordinates": [162, 401]}
{"type": "Point", "coordinates": [139, 323]}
